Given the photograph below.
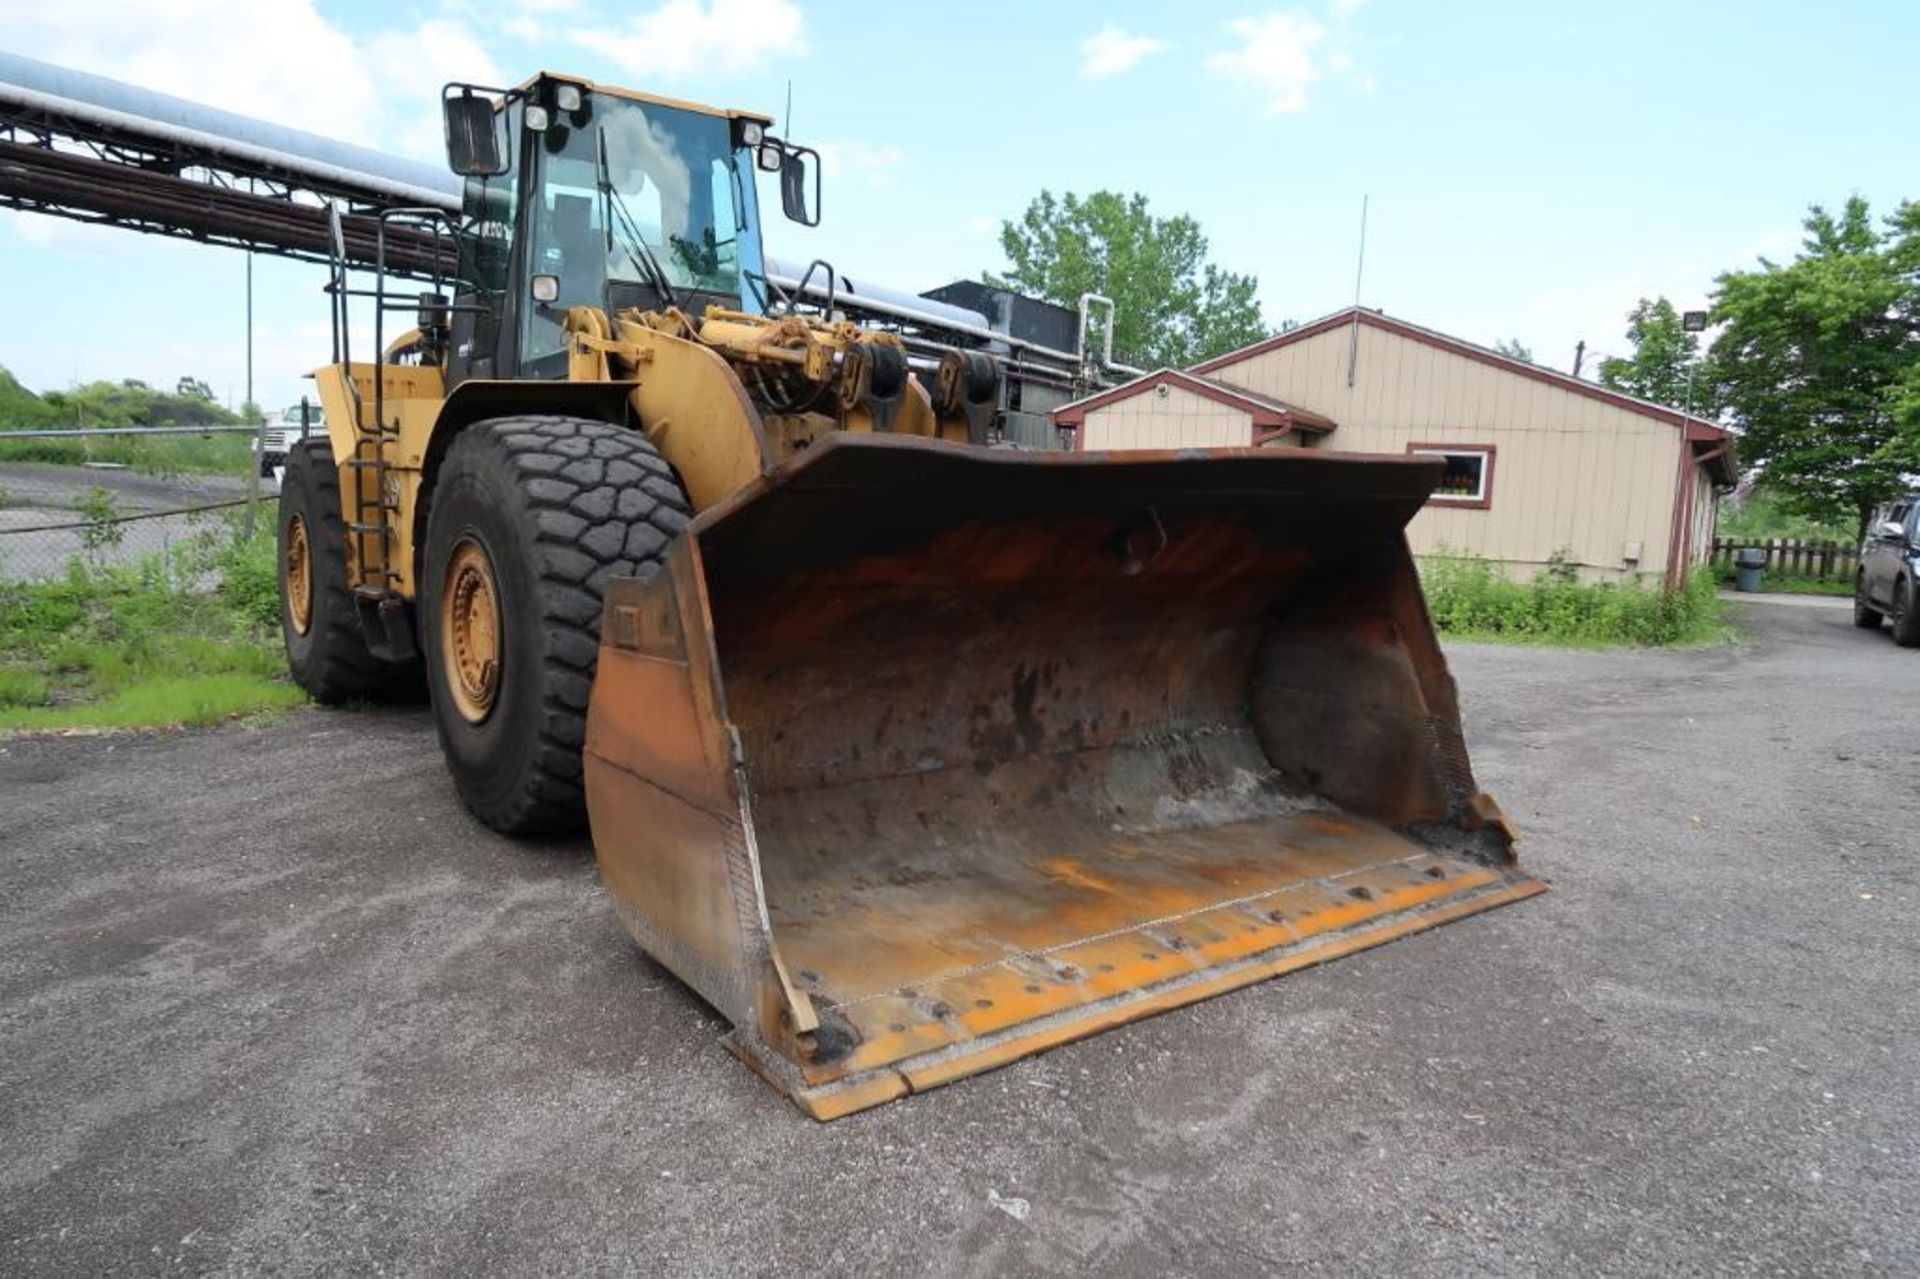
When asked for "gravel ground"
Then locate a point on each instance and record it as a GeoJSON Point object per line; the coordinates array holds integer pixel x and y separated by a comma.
{"type": "Point", "coordinates": [268, 1000]}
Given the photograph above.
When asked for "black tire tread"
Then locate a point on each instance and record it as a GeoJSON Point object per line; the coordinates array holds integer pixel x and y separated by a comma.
{"type": "Point", "coordinates": [601, 503]}
{"type": "Point", "coordinates": [345, 671]}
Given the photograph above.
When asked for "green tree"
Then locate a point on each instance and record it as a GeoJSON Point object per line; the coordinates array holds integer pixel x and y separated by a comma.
{"type": "Point", "coordinates": [1514, 349]}
{"type": "Point", "coordinates": [1171, 305]}
{"type": "Point", "coordinates": [1817, 362]}
{"type": "Point", "coordinates": [1666, 366]}
{"type": "Point", "coordinates": [21, 408]}
{"type": "Point", "coordinates": [131, 402]}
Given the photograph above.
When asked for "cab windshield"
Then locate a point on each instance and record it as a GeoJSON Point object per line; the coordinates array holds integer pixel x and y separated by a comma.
{"type": "Point", "coordinates": [638, 194]}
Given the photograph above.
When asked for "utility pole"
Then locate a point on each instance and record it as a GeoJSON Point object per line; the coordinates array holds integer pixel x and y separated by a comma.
{"type": "Point", "coordinates": [249, 326]}
{"type": "Point", "coordinates": [1692, 322]}
{"type": "Point", "coordinates": [1359, 271]}
{"type": "Point", "coordinates": [1579, 355]}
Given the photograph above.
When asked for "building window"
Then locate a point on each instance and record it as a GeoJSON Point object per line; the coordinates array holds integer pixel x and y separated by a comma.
{"type": "Point", "coordinates": [1468, 479]}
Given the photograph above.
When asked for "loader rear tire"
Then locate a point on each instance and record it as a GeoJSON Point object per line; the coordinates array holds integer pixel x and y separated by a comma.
{"type": "Point", "coordinates": [528, 519]}
{"type": "Point", "coordinates": [326, 649]}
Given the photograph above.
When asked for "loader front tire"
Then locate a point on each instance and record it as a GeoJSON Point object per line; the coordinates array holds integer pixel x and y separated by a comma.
{"type": "Point", "coordinates": [326, 649]}
{"type": "Point", "coordinates": [528, 519]}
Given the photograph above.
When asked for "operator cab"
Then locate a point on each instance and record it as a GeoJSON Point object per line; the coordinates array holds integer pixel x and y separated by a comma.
{"type": "Point", "coordinates": [582, 195]}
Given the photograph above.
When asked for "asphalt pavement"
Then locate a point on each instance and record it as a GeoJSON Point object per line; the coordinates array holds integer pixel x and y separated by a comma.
{"type": "Point", "coordinates": [42, 528]}
{"type": "Point", "coordinates": [270, 1000]}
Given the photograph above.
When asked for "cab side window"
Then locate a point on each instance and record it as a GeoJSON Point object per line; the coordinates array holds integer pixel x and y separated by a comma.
{"type": "Point", "coordinates": [1913, 523]}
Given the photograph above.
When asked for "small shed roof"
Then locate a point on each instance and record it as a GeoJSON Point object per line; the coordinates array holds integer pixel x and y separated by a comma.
{"type": "Point", "coordinates": [1268, 414]}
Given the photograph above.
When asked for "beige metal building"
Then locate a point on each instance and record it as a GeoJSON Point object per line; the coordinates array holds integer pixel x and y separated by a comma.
{"type": "Point", "coordinates": [1537, 461]}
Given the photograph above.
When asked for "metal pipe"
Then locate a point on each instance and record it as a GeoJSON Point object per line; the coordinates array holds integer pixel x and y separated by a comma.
{"type": "Point", "coordinates": [1045, 374]}
{"type": "Point", "coordinates": [856, 300]}
{"type": "Point", "coordinates": [140, 126]}
{"type": "Point", "coordinates": [1087, 301]}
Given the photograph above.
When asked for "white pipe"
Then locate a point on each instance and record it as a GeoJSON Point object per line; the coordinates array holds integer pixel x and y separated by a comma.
{"type": "Point", "coordinates": [1087, 301]}
{"type": "Point", "coordinates": [107, 117]}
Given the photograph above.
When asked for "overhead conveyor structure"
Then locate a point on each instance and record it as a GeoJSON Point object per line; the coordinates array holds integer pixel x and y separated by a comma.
{"type": "Point", "coordinates": [93, 149]}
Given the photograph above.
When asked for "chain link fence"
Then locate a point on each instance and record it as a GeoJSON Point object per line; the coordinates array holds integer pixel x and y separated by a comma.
{"type": "Point", "coordinates": [127, 496]}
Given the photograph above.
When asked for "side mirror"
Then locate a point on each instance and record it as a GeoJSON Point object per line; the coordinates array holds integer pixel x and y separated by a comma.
{"type": "Point", "coordinates": [1892, 530]}
{"type": "Point", "coordinates": [476, 139]}
{"type": "Point", "coordinates": [800, 185]}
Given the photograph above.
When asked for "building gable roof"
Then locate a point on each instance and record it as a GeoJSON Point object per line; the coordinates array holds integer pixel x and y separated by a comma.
{"type": "Point", "coordinates": [1698, 429]}
{"type": "Point", "coordinates": [1268, 414]}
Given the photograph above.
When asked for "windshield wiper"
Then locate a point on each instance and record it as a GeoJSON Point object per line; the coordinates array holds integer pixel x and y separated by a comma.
{"type": "Point", "coordinates": [637, 250]}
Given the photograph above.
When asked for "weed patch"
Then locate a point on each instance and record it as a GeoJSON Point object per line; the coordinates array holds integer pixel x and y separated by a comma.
{"type": "Point", "coordinates": [228, 453]}
{"type": "Point", "coordinates": [149, 645]}
{"type": "Point", "coordinates": [1468, 597]}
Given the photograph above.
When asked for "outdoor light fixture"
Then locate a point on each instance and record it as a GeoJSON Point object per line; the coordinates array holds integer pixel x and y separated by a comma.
{"type": "Point", "coordinates": [751, 132]}
{"type": "Point", "coordinates": [567, 97]}
{"type": "Point", "coordinates": [546, 288]}
{"type": "Point", "coordinates": [538, 118]}
{"type": "Point", "coordinates": [1694, 321]}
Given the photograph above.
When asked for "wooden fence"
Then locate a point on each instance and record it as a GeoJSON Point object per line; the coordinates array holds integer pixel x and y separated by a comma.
{"type": "Point", "coordinates": [1794, 556]}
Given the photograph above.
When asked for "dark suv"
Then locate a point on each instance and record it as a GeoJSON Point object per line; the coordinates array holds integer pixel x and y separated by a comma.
{"type": "Point", "coordinates": [1889, 579]}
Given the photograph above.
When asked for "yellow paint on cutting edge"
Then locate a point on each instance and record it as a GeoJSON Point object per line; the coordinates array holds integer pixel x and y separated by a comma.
{"type": "Point", "coordinates": [1024, 1038]}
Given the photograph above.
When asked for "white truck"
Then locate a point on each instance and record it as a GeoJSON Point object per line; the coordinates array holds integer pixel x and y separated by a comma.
{"type": "Point", "coordinates": [281, 431]}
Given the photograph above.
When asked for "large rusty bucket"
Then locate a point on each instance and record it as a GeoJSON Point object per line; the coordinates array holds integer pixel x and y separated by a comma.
{"type": "Point", "coordinates": [921, 758]}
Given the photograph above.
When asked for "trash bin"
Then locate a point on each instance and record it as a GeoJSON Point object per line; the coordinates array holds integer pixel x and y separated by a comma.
{"type": "Point", "coordinates": [1748, 562]}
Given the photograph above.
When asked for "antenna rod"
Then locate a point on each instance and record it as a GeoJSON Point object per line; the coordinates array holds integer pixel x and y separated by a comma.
{"type": "Point", "coordinates": [1359, 271]}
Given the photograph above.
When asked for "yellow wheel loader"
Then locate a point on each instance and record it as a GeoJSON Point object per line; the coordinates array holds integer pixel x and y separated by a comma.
{"type": "Point", "coordinates": [911, 755]}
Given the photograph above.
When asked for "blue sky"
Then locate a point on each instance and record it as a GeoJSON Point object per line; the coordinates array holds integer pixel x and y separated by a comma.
{"type": "Point", "coordinates": [1532, 168]}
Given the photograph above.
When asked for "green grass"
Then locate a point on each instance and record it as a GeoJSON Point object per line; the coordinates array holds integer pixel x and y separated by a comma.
{"type": "Point", "coordinates": [159, 702]}
{"type": "Point", "coordinates": [228, 453]}
{"type": "Point", "coordinates": [147, 646]}
{"type": "Point", "coordinates": [1471, 599]}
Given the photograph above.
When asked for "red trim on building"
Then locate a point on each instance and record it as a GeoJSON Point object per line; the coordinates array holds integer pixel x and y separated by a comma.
{"type": "Point", "coordinates": [1267, 414]}
{"type": "Point", "coordinates": [1696, 428]}
{"type": "Point", "coordinates": [1485, 501]}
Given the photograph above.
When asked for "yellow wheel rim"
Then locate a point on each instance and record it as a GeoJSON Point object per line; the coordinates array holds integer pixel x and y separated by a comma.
{"type": "Point", "coordinates": [470, 630]}
{"type": "Point", "coordinates": [299, 571]}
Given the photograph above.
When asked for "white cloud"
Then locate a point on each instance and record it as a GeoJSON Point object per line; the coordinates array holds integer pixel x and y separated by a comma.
{"type": "Point", "coordinates": [845, 159]}
{"type": "Point", "coordinates": [1275, 58]}
{"type": "Point", "coordinates": [278, 60]}
{"type": "Point", "coordinates": [1344, 9]}
{"type": "Point", "coordinates": [676, 37]}
{"type": "Point", "coordinates": [438, 52]}
{"type": "Point", "coordinates": [1111, 51]}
